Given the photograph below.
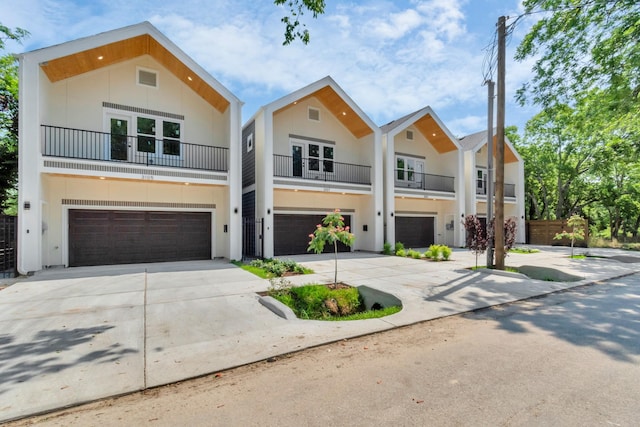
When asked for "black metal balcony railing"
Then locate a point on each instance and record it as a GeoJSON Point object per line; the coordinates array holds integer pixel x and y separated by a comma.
{"type": "Point", "coordinates": [424, 181]}
{"type": "Point", "coordinates": [91, 145]}
{"type": "Point", "coordinates": [509, 189]}
{"type": "Point", "coordinates": [320, 170]}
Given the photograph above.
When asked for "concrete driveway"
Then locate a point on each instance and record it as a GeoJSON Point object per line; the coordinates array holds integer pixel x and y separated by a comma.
{"type": "Point", "coordinates": [80, 334]}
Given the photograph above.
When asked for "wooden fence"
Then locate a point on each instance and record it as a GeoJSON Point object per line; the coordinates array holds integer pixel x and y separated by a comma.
{"type": "Point", "coordinates": [541, 232]}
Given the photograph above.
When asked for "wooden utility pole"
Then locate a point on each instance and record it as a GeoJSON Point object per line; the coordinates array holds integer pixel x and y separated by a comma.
{"type": "Point", "coordinates": [489, 185]}
{"type": "Point", "coordinates": [498, 225]}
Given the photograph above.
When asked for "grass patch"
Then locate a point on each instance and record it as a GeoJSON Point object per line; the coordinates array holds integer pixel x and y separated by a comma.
{"type": "Point", "coordinates": [268, 268]}
{"type": "Point", "coordinates": [578, 256]}
{"type": "Point", "coordinates": [261, 273]}
{"type": "Point", "coordinates": [370, 314]}
{"type": "Point", "coordinates": [523, 250]}
{"type": "Point", "coordinates": [320, 302]}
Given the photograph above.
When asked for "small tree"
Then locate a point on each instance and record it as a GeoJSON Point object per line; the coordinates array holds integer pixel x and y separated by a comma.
{"type": "Point", "coordinates": [510, 229]}
{"type": "Point", "coordinates": [576, 222]}
{"type": "Point", "coordinates": [332, 231]}
{"type": "Point", "coordinates": [476, 235]}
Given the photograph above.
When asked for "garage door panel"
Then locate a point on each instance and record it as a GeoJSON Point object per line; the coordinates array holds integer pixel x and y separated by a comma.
{"type": "Point", "coordinates": [415, 232]}
{"type": "Point", "coordinates": [124, 237]}
{"type": "Point", "coordinates": [291, 233]}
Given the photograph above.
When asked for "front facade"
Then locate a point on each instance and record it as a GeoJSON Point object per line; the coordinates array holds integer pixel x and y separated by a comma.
{"type": "Point", "coordinates": [475, 169]}
{"type": "Point", "coordinates": [424, 188]}
{"type": "Point", "coordinates": [304, 155]}
{"type": "Point", "coordinates": [129, 152]}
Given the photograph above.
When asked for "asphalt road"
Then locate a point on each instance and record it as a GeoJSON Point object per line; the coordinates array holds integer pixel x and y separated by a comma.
{"type": "Point", "coordinates": [571, 358]}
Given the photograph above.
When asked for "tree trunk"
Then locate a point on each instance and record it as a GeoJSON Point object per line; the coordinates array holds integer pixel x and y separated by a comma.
{"type": "Point", "coordinates": [335, 251]}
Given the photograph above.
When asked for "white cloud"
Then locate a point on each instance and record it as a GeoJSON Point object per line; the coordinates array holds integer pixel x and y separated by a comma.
{"type": "Point", "coordinates": [444, 16]}
{"type": "Point", "coordinates": [391, 57]}
{"type": "Point", "coordinates": [396, 25]}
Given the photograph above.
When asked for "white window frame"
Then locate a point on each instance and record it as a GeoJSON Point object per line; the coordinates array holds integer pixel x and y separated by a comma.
{"type": "Point", "coordinates": [306, 171]}
{"type": "Point", "coordinates": [417, 176]}
{"type": "Point", "coordinates": [250, 142]}
{"type": "Point", "coordinates": [481, 182]}
{"type": "Point", "coordinates": [159, 137]}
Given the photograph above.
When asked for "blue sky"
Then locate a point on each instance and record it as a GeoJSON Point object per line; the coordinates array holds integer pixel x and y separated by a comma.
{"type": "Point", "coordinates": [391, 57]}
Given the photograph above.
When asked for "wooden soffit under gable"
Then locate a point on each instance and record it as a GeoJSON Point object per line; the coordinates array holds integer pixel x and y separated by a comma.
{"type": "Point", "coordinates": [123, 50]}
{"type": "Point", "coordinates": [339, 108]}
{"type": "Point", "coordinates": [438, 138]}
{"type": "Point", "coordinates": [509, 156]}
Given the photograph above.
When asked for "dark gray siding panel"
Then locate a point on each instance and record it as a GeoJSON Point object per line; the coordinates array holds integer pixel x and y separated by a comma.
{"type": "Point", "coordinates": [248, 158]}
{"type": "Point", "coordinates": [249, 204]}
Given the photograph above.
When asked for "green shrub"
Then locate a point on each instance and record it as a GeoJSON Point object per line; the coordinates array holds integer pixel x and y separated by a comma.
{"type": "Point", "coordinates": [401, 252]}
{"type": "Point", "coordinates": [386, 248]}
{"type": "Point", "coordinates": [446, 252]}
{"type": "Point", "coordinates": [435, 252]}
{"type": "Point", "coordinates": [398, 247]}
{"type": "Point", "coordinates": [414, 254]}
{"type": "Point", "coordinates": [276, 267]}
{"type": "Point", "coordinates": [428, 254]}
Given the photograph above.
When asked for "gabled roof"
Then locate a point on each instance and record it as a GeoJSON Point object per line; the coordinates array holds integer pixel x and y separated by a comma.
{"type": "Point", "coordinates": [80, 56]}
{"type": "Point", "coordinates": [476, 141]}
{"type": "Point", "coordinates": [334, 99]}
{"type": "Point", "coordinates": [429, 125]}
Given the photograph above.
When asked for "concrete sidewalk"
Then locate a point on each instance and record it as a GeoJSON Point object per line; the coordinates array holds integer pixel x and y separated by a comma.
{"type": "Point", "coordinates": [80, 334]}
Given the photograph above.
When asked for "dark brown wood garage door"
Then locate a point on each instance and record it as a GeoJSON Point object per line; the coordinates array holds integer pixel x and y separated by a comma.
{"type": "Point", "coordinates": [291, 233]}
{"type": "Point", "coordinates": [415, 232]}
{"type": "Point", "coordinates": [124, 237]}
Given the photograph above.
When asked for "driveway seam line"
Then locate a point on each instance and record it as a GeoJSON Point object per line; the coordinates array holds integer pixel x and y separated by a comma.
{"type": "Point", "coordinates": [144, 333]}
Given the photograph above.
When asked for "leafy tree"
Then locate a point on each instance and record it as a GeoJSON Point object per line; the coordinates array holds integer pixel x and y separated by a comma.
{"type": "Point", "coordinates": [331, 231]}
{"type": "Point", "coordinates": [580, 150]}
{"type": "Point", "coordinates": [584, 45]}
{"type": "Point", "coordinates": [293, 28]}
{"type": "Point", "coordinates": [476, 235]}
{"type": "Point", "coordinates": [8, 117]}
{"type": "Point", "coordinates": [577, 223]}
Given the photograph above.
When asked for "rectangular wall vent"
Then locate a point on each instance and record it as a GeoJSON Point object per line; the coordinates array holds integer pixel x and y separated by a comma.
{"type": "Point", "coordinates": [314, 114]}
{"type": "Point", "coordinates": [147, 78]}
{"type": "Point", "coordinates": [410, 135]}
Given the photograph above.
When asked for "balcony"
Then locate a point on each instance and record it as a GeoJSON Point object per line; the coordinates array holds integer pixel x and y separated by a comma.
{"type": "Point", "coordinates": [509, 189]}
{"type": "Point", "coordinates": [140, 150]}
{"type": "Point", "coordinates": [320, 170]}
{"type": "Point", "coordinates": [424, 181]}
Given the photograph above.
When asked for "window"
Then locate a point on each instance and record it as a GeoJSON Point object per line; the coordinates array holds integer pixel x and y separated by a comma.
{"type": "Point", "coordinates": [409, 169]}
{"type": "Point", "coordinates": [149, 135]}
{"type": "Point", "coordinates": [250, 142]}
{"type": "Point", "coordinates": [147, 77]}
{"type": "Point", "coordinates": [171, 138]}
{"type": "Point", "coordinates": [314, 114]}
{"type": "Point", "coordinates": [409, 135]}
{"type": "Point", "coordinates": [320, 155]}
{"type": "Point", "coordinates": [481, 181]}
{"type": "Point", "coordinates": [146, 135]}
{"type": "Point", "coordinates": [312, 159]}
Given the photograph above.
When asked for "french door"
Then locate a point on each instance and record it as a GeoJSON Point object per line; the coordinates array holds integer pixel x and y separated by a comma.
{"type": "Point", "coordinates": [119, 137]}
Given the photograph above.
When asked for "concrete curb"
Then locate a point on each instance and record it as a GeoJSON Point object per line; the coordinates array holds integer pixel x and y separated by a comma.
{"type": "Point", "coordinates": [277, 307]}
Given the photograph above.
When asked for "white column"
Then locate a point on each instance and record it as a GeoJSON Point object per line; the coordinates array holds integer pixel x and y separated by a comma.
{"type": "Point", "coordinates": [378, 192]}
{"type": "Point", "coordinates": [29, 166]}
{"type": "Point", "coordinates": [235, 184]}
{"type": "Point", "coordinates": [267, 179]}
